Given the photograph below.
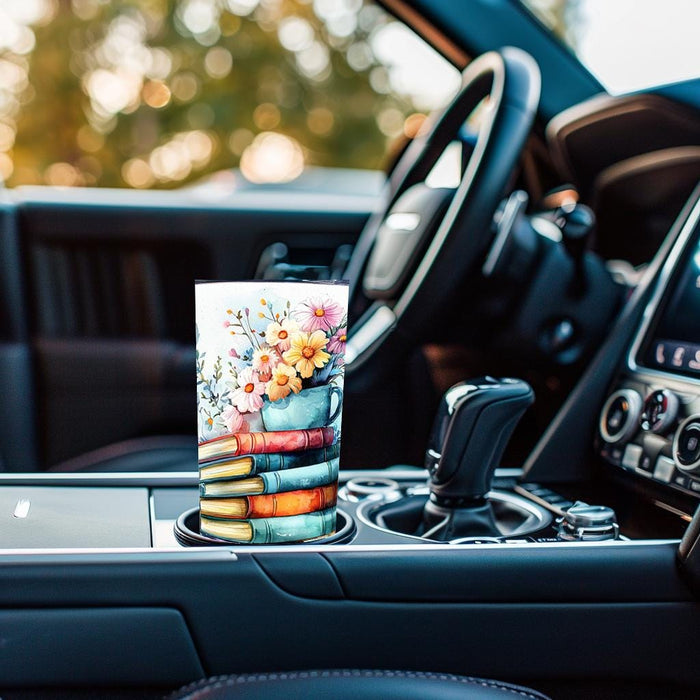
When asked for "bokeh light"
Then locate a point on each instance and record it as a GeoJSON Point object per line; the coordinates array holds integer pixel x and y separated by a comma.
{"type": "Point", "coordinates": [218, 62]}
{"type": "Point", "coordinates": [266, 116]}
{"type": "Point", "coordinates": [272, 157]}
{"type": "Point", "coordinates": [6, 166]}
{"type": "Point", "coordinates": [63, 175]}
{"type": "Point", "coordinates": [156, 94]}
{"type": "Point", "coordinates": [137, 173]}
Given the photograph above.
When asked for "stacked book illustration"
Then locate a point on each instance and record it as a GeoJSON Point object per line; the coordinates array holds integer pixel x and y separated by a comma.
{"type": "Point", "coordinates": [270, 486]}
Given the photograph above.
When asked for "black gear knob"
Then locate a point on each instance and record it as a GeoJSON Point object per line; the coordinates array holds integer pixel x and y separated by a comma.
{"type": "Point", "coordinates": [471, 430]}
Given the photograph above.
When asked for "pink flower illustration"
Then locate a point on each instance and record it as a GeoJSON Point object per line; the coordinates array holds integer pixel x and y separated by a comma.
{"type": "Point", "coordinates": [319, 314]}
{"type": "Point", "coordinates": [337, 342]}
{"type": "Point", "coordinates": [235, 423]}
{"type": "Point", "coordinates": [265, 359]}
{"type": "Point", "coordinates": [279, 334]}
{"type": "Point", "coordinates": [248, 397]}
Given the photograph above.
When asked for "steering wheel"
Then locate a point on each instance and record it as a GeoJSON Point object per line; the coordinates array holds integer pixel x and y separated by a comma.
{"type": "Point", "coordinates": [414, 254]}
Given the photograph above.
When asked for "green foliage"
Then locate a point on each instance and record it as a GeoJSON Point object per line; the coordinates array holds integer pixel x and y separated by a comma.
{"type": "Point", "coordinates": [110, 83]}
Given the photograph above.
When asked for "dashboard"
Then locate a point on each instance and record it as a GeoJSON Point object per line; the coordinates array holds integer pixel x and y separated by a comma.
{"type": "Point", "coordinates": [649, 425]}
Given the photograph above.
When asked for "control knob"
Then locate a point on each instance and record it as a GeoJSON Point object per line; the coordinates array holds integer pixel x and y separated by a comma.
{"type": "Point", "coordinates": [660, 411]}
{"type": "Point", "coordinates": [686, 446]}
{"type": "Point", "coordinates": [588, 523]}
{"type": "Point", "coordinates": [619, 418]}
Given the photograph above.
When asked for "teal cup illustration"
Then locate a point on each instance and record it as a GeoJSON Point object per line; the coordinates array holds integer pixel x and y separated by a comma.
{"type": "Point", "coordinates": [310, 408]}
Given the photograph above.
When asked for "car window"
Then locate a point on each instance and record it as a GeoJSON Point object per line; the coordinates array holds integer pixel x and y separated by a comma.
{"type": "Point", "coordinates": [628, 44]}
{"type": "Point", "coordinates": [160, 93]}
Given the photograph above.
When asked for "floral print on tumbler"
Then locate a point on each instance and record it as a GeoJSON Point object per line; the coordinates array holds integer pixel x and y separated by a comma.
{"type": "Point", "coordinates": [270, 370]}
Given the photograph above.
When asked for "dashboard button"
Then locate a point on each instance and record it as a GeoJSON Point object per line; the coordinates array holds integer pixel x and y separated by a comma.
{"type": "Point", "coordinates": [620, 414]}
{"type": "Point", "coordinates": [660, 411]}
{"type": "Point", "coordinates": [645, 464]}
{"type": "Point", "coordinates": [681, 480]}
{"type": "Point", "coordinates": [664, 469]}
{"type": "Point", "coordinates": [631, 457]}
{"type": "Point", "coordinates": [686, 445]}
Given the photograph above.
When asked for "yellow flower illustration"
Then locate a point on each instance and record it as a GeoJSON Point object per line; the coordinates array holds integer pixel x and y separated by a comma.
{"type": "Point", "coordinates": [284, 379]}
{"type": "Point", "coordinates": [306, 352]}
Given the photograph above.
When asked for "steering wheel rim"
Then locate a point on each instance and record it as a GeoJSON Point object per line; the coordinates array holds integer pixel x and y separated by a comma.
{"type": "Point", "coordinates": [511, 79]}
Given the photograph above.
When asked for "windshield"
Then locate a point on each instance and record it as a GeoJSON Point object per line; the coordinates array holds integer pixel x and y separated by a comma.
{"type": "Point", "coordinates": [628, 44]}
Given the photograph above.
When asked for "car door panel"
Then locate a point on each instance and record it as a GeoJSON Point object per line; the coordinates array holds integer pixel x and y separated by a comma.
{"type": "Point", "coordinates": [108, 299]}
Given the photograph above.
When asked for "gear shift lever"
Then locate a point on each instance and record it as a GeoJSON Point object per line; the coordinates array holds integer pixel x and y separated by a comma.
{"type": "Point", "coordinates": [475, 420]}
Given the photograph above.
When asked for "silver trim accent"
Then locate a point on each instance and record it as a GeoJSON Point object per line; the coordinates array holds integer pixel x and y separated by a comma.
{"type": "Point", "coordinates": [152, 516]}
{"type": "Point", "coordinates": [503, 497]}
{"type": "Point", "coordinates": [693, 469]}
{"type": "Point", "coordinates": [631, 423]}
{"type": "Point", "coordinates": [158, 479]}
{"type": "Point", "coordinates": [675, 511]}
{"type": "Point", "coordinates": [508, 472]}
{"type": "Point", "coordinates": [667, 270]}
{"type": "Point", "coordinates": [383, 488]}
{"type": "Point", "coordinates": [403, 221]}
{"type": "Point", "coordinates": [546, 228]}
{"type": "Point", "coordinates": [154, 479]}
{"type": "Point", "coordinates": [371, 331]}
{"type": "Point", "coordinates": [225, 553]}
{"type": "Point", "coordinates": [514, 207]}
{"type": "Point", "coordinates": [364, 518]}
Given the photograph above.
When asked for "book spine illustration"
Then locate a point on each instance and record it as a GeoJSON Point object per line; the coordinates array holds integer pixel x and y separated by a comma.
{"type": "Point", "coordinates": [296, 479]}
{"type": "Point", "coordinates": [301, 478]}
{"type": "Point", "coordinates": [256, 443]}
{"type": "Point", "coordinates": [271, 505]}
{"type": "Point", "coordinates": [291, 528]}
{"type": "Point", "coordinates": [274, 462]}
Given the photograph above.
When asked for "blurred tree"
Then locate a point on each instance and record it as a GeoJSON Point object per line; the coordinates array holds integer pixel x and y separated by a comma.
{"type": "Point", "coordinates": [149, 93]}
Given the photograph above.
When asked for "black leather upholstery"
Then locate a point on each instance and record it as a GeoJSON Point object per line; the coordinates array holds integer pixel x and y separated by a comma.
{"type": "Point", "coordinates": [353, 685]}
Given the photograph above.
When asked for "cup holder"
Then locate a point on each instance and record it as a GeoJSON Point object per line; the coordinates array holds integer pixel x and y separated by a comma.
{"type": "Point", "coordinates": [187, 532]}
{"type": "Point", "coordinates": [514, 516]}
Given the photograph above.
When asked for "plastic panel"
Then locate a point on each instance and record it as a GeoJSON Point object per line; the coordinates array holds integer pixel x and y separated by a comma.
{"type": "Point", "coordinates": [74, 517]}
{"type": "Point", "coordinates": [124, 646]}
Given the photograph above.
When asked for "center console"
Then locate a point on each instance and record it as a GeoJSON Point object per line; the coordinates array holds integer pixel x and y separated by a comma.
{"type": "Point", "coordinates": [140, 512]}
{"type": "Point", "coordinates": [649, 425]}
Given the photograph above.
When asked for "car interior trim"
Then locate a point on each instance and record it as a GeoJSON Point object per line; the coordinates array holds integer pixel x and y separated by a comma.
{"type": "Point", "coordinates": [666, 157]}
{"type": "Point", "coordinates": [378, 323]}
{"type": "Point", "coordinates": [498, 496]}
{"type": "Point", "coordinates": [229, 552]}
{"type": "Point", "coordinates": [667, 271]}
{"type": "Point", "coordinates": [420, 25]}
{"type": "Point", "coordinates": [595, 110]}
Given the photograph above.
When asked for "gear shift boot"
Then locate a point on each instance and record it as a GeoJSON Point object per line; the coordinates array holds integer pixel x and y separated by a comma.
{"type": "Point", "coordinates": [507, 515]}
{"type": "Point", "coordinates": [446, 524]}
